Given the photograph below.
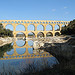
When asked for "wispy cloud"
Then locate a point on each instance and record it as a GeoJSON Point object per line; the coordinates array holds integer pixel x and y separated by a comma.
{"type": "Point", "coordinates": [53, 10]}
{"type": "Point", "coordinates": [66, 12]}
{"type": "Point", "coordinates": [65, 7]}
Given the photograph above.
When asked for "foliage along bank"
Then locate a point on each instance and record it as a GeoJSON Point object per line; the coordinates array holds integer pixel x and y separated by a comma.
{"type": "Point", "coordinates": [5, 32]}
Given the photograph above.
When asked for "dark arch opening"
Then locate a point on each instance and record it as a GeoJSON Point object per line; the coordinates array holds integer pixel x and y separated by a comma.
{"type": "Point", "coordinates": [49, 34]}
{"type": "Point", "coordinates": [40, 34]}
{"type": "Point", "coordinates": [31, 35]}
{"type": "Point", "coordinates": [57, 34]}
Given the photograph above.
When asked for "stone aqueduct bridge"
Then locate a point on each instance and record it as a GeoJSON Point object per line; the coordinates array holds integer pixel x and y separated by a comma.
{"type": "Point", "coordinates": [26, 23]}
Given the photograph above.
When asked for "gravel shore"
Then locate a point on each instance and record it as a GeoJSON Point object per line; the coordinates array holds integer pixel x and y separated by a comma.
{"type": "Point", "coordinates": [6, 40]}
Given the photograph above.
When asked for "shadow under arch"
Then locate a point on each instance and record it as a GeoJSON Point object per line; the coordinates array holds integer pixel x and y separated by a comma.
{"type": "Point", "coordinates": [49, 27]}
{"type": "Point", "coordinates": [31, 27]}
{"type": "Point", "coordinates": [31, 35]}
{"type": "Point", "coordinates": [57, 34]}
{"type": "Point", "coordinates": [9, 26]}
{"type": "Point", "coordinates": [57, 28]}
{"type": "Point", "coordinates": [49, 34]}
{"type": "Point", "coordinates": [40, 34]}
{"type": "Point", "coordinates": [20, 27]}
{"type": "Point", "coordinates": [40, 28]}
{"type": "Point", "coordinates": [20, 39]}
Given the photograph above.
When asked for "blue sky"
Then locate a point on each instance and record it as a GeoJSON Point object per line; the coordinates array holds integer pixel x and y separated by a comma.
{"type": "Point", "coordinates": [37, 10]}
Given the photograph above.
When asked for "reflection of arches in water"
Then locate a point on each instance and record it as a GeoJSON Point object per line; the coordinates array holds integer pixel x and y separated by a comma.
{"type": "Point", "coordinates": [9, 26]}
{"type": "Point", "coordinates": [31, 28]}
{"type": "Point", "coordinates": [20, 43]}
{"type": "Point", "coordinates": [20, 50]}
{"type": "Point", "coordinates": [30, 50]}
{"type": "Point", "coordinates": [49, 27]}
{"type": "Point", "coordinates": [40, 34]}
{"type": "Point", "coordinates": [40, 28]}
{"type": "Point", "coordinates": [20, 34]}
{"type": "Point", "coordinates": [10, 52]}
{"type": "Point", "coordinates": [31, 35]}
{"type": "Point", "coordinates": [30, 43]}
{"type": "Point", "coordinates": [49, 34]}
{"type": "Point", "coordinates": [57, 28]}
{"type": "Point", "coordinates": [20, 27]}
{"type": "Point", "coordinates": [57, 34]}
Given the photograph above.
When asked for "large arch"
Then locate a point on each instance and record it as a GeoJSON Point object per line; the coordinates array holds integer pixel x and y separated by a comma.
{"type": "Point", "coordinates": [40, 34]}
{"type": "Point", "coordinates": [63, 26]}
{"type": "Point", "coordinates": [31, 35]}
{"type": "Point", "coordinates": [9, 26]}
{"type": "Point", "coordinates": [57, 28]}
{"type": "Point", "coordinates": [49, 34]}
{"type": "Point", "coordinates": [40, 28]}
{"type": "Point", "coordinates": [20, 27]}
{"type": "Point", "coordinates": [20, 34]}
{"type": "Point", "coordinates": [57, 34]}
{"type": "Point", "coordinates": [49, 27]}
{"type": "Point", "coordinates": [31, 27]}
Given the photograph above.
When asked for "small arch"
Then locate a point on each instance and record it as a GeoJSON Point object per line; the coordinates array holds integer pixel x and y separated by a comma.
{"type": "Point", "coordinates": [40, 34]}
{"type": "Point", "coordinates": [49, 27]}
{"type": "Point", "coordinates": [31, 35]}
{"type": "Point", "coordinates": [31, 27]}
{"type": "Point", "coordinates": [57, 34]}
{"type": "Point", "coordinates": [20, 27]}
{"type": "Point", "coordinates": [9, 26]}
{"type": "Point", "coordinates": [49, 34]}
{"type": "Point", "coordinates": [57, 28]}
{"type": "Point", "coordinates": [40, 28]}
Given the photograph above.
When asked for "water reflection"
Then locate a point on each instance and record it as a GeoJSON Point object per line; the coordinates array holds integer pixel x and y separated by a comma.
{"type": "Point", "coordinates": [20, 43]}
{"type": "Point", "coordinates": [22, 56]}
{"type": "Point", "coordinates": [20, 50]}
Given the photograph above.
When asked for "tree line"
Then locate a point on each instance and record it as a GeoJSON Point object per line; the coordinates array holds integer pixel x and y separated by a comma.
{"type": "Point", "coordinates": [70, 29]}
{"type": "Point", "coordinates": [5, 32]}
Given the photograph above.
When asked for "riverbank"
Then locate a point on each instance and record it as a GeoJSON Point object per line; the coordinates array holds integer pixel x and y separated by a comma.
{"type": "Point", "coordinates": [6, 40]}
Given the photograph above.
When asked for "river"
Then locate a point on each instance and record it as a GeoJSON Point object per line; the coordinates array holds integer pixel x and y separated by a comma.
{"type": "Point", "coordinates": [17, 56]}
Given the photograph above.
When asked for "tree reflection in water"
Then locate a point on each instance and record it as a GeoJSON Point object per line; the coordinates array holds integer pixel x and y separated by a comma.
{"type": "Point", "coordinates": [5, 48]}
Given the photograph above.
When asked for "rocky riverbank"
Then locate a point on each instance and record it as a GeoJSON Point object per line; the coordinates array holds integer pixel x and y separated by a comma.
{"type": "Point", "coordinates": [6, 40]}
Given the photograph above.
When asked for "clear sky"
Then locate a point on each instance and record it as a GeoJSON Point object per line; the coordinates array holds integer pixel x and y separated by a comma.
{"type": "Point", "coordinates": [37, 10]}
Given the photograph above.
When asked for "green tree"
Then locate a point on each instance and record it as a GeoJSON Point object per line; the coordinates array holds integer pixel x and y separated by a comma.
{"type": "Point", "coordinates": [70, 29]}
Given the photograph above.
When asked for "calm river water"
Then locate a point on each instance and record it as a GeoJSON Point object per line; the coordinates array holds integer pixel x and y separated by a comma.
{"type": "Point", "coordinates": [18, 55]}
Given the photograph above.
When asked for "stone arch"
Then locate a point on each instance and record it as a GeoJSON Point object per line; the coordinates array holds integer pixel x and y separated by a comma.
{"type": "Point", "coordinates": [49, 34]}
{"type": "Point", "coordinates": [40, 28]}
{"type": "Point", "coordinates": [20, 34]}
{"type": "Point", "coordinates": [31, 27]}
{"type": "Point", "coordinates": [20, 39]}
{"type": "Point", "coordinates": [49, 27]}
{"type": "Point", "coordinates": [57, 28]}
{"type": "Point", "coordinates": [20, 27]}
{"type": "Point", "coordinates": [20, 50]}
{"type": "Point", "coordinates": [40, 34]}
{"type": "Point", "coordinates": [9, 26]}
{"type": "Point", "coordinates": [57, 34]}
{"type": "Point", "coordinates": [31, 35]}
